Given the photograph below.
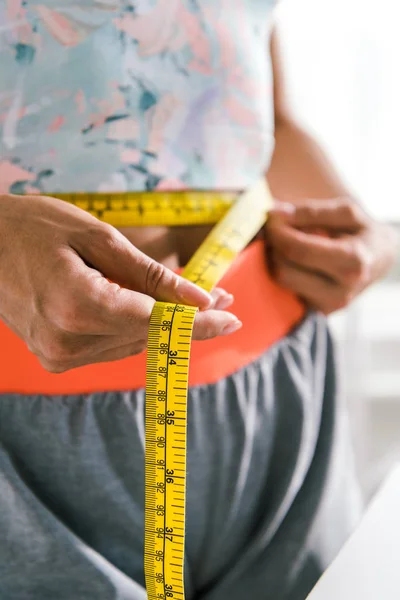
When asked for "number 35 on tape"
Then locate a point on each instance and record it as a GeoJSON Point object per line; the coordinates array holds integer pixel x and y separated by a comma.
{"type": "Point", "coordinates": [168, 356]}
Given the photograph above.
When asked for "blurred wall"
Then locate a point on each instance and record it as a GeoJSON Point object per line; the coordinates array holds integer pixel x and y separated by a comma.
{"type": "Point", "coordinates": [343, 63]}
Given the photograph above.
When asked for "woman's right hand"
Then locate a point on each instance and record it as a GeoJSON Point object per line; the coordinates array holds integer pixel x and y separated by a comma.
{"type": "Point", "coordinates": [56, 267]}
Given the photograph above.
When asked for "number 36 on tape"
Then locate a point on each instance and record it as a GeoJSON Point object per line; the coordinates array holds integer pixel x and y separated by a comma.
{"type": "Point", "coordinates": [168, 355]}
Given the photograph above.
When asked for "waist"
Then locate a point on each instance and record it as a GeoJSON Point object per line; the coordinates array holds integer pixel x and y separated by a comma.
{"type": "Point", "coordinates": [267, 311]}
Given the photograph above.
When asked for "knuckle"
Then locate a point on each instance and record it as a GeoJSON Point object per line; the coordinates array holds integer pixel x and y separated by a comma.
{"type": "Point", "coordinates": [56, 352]}
{"type": "Point", "coordinates": [358, 258]}
{"type": "Point", "coordinates": [63, 308]}
{"type": "Point", "coordinates": [311, 211]}
{"type": "Point", "coordinates": [109, 237]}
{"type": "Point", "coordinates": [58, 349]}
{"type": "Point", "coordinates": [340, 302]}
{"type": "Point", "coordinates": [103, 235]}
{"type": "Point", "coordinates": [69, 317]}
{"type": "Point", "coordinates": [53, 368]}
{"type": "Point", "coordinates": [332, 300]}
{"type": "Point", "coordinates": [154, 276]}
{"type": "Point", "coordinates": [351, 211]}
{"type": "Point", "coordinates": [356, 269]}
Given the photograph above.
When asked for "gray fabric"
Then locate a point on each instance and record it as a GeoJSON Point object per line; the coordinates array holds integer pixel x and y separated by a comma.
{"type": "Point", "coordinates": [271, 495]}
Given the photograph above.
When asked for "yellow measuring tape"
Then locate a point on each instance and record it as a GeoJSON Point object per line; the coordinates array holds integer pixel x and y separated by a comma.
{"type": "Point", "coordinates": [158, 208]}
{"type": "Point", "coordinates": [167, 370]}
{"type": "Point", "coordinates": [166, 395]}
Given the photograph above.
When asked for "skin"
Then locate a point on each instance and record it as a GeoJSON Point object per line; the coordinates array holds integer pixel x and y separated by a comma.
{"type": "Point", "coordinates": [321, 244]}
{"type": "Point", "coordinates": [329, 268]}
{"type": "Point", "coordinates": [81, 292]}
{"type": "Point", "coordinates": [78, 292]}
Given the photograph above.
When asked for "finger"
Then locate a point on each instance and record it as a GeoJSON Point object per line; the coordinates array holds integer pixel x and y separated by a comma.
{"type": "Point", "coordinates": [340, 258]}
{"type": "Point", "coordinates": [85, 302]}
{"type": "Point", "coordinates": [213, 323]}
{"type": "Point", "coordinates": [221, 300]}
{"type": "Point", "coordinates": [336, 214]}
{"type": "Point", "coordinates": [117, 259]}
{"type": "Point", "coordinates": [64, 354]}
{"type": "Point", "coordinates": [319, 293]}
{"type": "Point", "coordinates": [208, 325]}
{"type": "Point", "coordinates": [110, 355]}
{"type": "Point", "coordinates": [66, 348]}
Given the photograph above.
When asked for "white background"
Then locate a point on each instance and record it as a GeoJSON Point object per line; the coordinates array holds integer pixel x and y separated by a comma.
{"type": "Point", "coordinates": [343, 63]}
{"type": "Point", "coordinates": [343, 57]}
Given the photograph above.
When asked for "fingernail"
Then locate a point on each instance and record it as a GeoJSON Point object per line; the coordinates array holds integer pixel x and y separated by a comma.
{"type": "Point", "coordinates": [232, 327]}
{"type": "Point", "coordinates": [225, 301]}
{"type": "Point", "coordinates": [285, 208]}
{"type": "Point", "coordinates": [189, 293]}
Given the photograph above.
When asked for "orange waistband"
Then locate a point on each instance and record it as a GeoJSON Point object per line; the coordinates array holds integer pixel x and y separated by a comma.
{"type": "Point", "coordinates": [267, 311]}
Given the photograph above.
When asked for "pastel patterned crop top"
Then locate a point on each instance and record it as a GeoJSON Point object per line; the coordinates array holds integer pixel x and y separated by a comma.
{"type": "Point", "coordinates": [115, 95]}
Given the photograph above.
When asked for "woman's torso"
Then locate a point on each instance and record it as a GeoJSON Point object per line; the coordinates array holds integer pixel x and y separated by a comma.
{"type": "Point", "coordinates": [118, 95]}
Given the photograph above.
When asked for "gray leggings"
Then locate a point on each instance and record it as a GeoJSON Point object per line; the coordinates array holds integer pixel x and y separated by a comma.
{"type": "Point", "coordinates": [271, 494]}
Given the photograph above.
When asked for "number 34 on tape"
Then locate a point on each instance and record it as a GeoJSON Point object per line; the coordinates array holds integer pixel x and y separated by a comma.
{"type": "Point", "coordinates": [166, 395]}
{"type": "Point", "coordinates": [167, 371]}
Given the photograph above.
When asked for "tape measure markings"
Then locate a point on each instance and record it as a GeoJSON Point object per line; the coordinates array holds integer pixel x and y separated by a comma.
{"type": "Point", "coordinates": [166, 393]}
{"type": "Point", "coordinates": [229, 237]}
{"type": "Point", "coordinates": [136, 209]}
{"type": "Point", "coordinates": [166, 396]}
{"type": "Point", "coordinates": [168, 352]}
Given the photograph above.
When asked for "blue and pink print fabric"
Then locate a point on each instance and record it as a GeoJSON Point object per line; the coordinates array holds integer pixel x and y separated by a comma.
{"type": "Point", "coordinates": [116, 95]}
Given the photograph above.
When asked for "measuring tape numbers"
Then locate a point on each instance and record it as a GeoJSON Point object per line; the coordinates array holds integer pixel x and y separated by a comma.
{"type": "Point", "coordinates": [238, 220]}
{"type": "Point", "coordinates": [166, 394]}
{"type": "Point", "coordinates": [169, 343]}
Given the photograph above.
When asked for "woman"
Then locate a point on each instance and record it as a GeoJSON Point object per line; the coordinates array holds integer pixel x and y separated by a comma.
{"type": "Point", "coordinates": [151, 96]}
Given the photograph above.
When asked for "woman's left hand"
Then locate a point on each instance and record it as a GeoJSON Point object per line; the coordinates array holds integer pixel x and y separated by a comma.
{"type": "Point", "coordinates": [328, 251]}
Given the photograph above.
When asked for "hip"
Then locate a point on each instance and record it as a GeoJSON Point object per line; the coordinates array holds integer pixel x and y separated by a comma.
{"type": "Point", "coordinates": [267, 311]}
{"type": "Point", "coordinates": [81, 457]}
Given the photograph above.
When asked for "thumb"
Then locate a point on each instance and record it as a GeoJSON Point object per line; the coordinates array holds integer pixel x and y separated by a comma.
{"type": "Point", "coordinates": [282, 209]}
{"type": "Point", "coordinates": [117, 259]}
{"type": "Point", "coordinates": [281, 212]}
{"type": "Point", "coordinates": [341, 214]}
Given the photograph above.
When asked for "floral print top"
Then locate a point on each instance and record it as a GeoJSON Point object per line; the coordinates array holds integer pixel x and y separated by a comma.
{"type": "Point", "coordinates": [116, 95]}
